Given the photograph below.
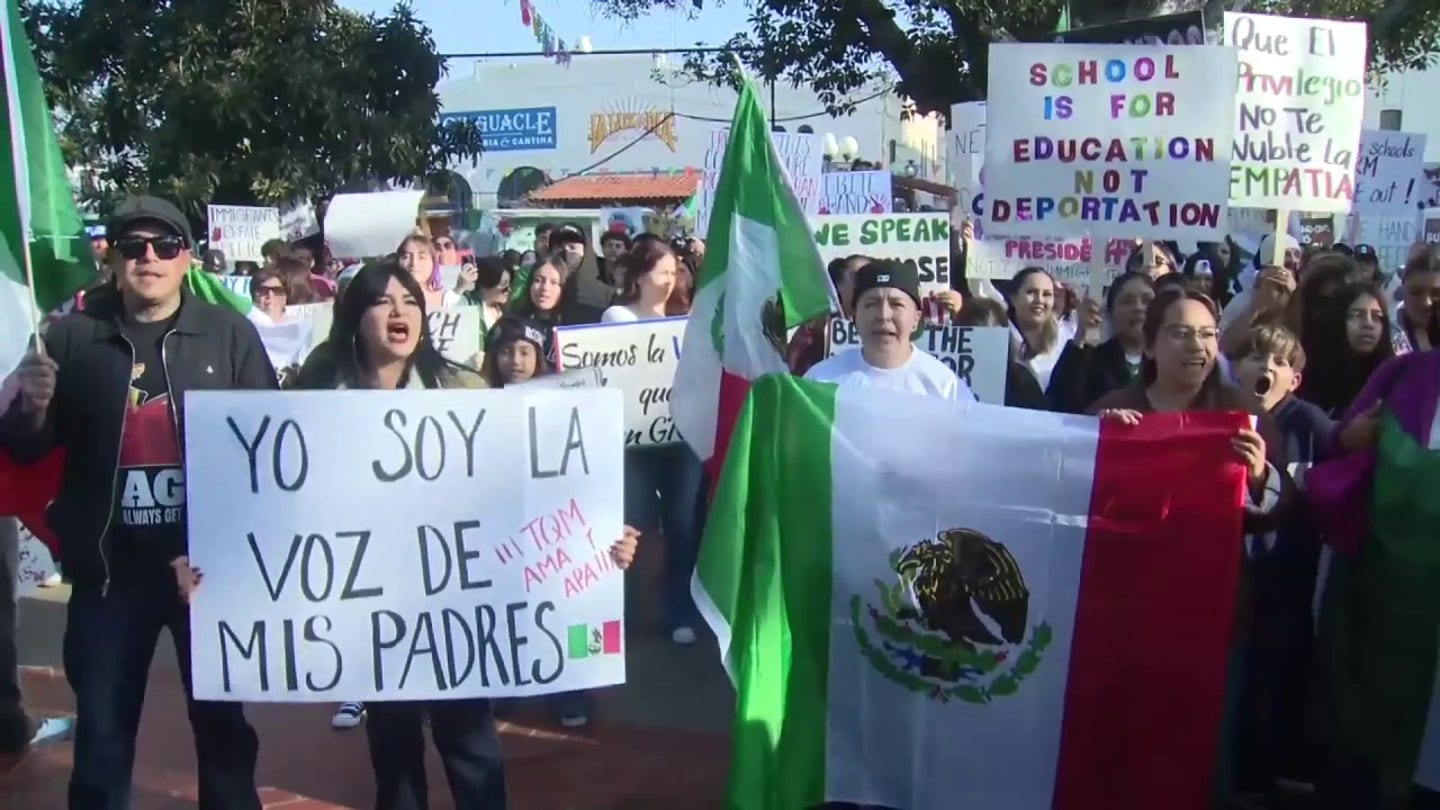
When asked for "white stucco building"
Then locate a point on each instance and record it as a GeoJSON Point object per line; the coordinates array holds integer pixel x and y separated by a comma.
{"type": "Point", "coordinates": [624, 114]}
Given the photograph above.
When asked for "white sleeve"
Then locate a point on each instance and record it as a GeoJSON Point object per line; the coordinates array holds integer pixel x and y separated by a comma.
{"type": "Point", "coordinates": [1269, 497]}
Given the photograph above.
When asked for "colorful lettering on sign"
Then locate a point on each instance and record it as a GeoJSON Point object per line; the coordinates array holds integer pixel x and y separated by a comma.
{"type": "Point", "coordinates": [633, 116]}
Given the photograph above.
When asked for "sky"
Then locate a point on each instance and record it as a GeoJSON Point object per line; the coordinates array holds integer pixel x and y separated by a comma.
{"type": "Point", "coordinates": [475, 26]}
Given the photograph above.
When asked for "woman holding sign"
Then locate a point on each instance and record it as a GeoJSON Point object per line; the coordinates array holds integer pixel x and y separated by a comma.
{"type": "Point", "coordinates": [380, 340]}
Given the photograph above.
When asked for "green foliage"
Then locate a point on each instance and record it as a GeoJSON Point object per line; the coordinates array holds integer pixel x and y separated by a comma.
{"type": "Point", "coordinates": [938, 51]}
{"type": "Point", "coordinates": [242, 101]}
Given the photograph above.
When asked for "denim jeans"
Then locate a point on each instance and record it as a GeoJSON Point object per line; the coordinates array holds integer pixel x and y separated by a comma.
{"type": "Point", "coordinates": [662, 490]}
{"type": "Point", "coordinates": [464, 734]}
{"type": "Point", "coordinates": [109, 643]}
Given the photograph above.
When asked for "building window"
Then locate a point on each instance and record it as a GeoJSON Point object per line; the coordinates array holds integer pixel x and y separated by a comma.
{"type": "Point", "coordinates": [1390, 119]}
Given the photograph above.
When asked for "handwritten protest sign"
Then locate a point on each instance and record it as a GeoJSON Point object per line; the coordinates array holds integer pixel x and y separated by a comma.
{"type": "Point", "coordinates": [1391, 236]}
{"type": "Point", "coordinates": [321, 584]}
{"type": "Point", "coordinates": [240, 285]}
{"type": "Point", "coordinates": [35, 563]}
{"type": "Point", "coordinates": [855, 193]}
{"type": "Point", "coordinates": [1432, 226]}
{"type": "Point", "coordinates": [574, 378]}
{"type": "Point", "coordinates": [639, 359]}
{"type": "Point", "coordinates": [1389, 172]}
{"type": "Point", "coordinates": [1299, 105]}
{"type": "Point", "coordinates": [979, 355]}
{"type": "Point", "coordinates": [1066, 260]}
{"type": "Point", "coordinates": [799, 152]}
{"type": "Point", "coordinates": [967, 157]}
{"type": "Point", "coordinates": [920, 240]}
{"type": "Point", "coordinates": [239, 231]}
{"type": "Point", "coordinates": [1063, 156]}
{"type": "Point", "coordinates": [287, 343]}
{"type": "Point", "coordinates": [1317, 230]}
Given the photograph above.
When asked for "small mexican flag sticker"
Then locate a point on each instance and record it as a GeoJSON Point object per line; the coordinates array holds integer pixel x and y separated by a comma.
{"type": "Point", "coordinates": [588, 639]}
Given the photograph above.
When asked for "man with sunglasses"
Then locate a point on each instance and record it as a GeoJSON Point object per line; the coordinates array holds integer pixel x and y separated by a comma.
{"type": "Point", "coordinates": [109, 387]}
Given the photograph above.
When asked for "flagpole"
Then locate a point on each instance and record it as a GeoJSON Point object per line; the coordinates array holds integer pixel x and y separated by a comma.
{"type": "Point", "coordinates": [35, 317]}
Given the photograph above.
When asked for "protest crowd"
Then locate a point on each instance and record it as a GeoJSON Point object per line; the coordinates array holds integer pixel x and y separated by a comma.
{"type": "Point", "coordinates": [1153, 488]}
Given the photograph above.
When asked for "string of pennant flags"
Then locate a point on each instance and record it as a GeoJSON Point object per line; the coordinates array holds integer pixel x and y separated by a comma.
{"type": "Point", "coordinates": [552, 45]}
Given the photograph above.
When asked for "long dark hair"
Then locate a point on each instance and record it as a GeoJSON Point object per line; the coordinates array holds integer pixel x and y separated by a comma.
{"type": "Point", "coordinates": [1429, 262]}
{"type": "Point", "coordinates": [1155, 318]}
{"type": "Point", "coordinates": [344, 360]}
{"type": "Point", "coordinates": [1314, 295]}
{"type": "Point", "coordinates": [1334, 382]}
{"type": "Point", "coordinates": [525, 307]}
{"type": "Point", "coordinates": [1051, 330]}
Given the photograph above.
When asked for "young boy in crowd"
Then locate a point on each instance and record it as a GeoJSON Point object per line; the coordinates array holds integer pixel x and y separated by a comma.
{"type": "Point", "coordinates": [1273, 743]}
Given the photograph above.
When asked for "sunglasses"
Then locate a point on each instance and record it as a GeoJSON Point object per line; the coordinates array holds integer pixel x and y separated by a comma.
{"type": "Point", "coordinates": [134, 248]}
{"type": "Point", "coordinates": [261, 292]}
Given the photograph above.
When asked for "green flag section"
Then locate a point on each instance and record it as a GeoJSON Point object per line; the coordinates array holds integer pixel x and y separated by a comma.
{"type": "Point", "coordinates": [762, 277]}
{"type": "Point", "coordinates": [211, 289]}
{"type": "Point", "coordinates": [991, 610]}
{"type": "Point", "coordinates": [1379, 623]}
{"type": "Point", "coordinates": [587, 640]}
{"type": "Point", "coordinates": [37, 204]}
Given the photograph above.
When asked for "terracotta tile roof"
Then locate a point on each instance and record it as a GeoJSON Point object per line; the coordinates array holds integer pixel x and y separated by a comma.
{"type": "Point", "coordinates": [620, 187]}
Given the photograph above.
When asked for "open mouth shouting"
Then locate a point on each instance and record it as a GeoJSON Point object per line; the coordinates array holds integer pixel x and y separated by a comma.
{"type": "Point", "coordinates": [397, 332]}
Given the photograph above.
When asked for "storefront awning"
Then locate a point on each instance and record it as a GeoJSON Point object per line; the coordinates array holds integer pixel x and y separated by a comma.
{"type": "Point", "coordinates": [601, 188]}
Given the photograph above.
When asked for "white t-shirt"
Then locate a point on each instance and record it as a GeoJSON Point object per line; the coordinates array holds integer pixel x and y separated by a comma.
{"type": "Point", "coordinates": [921, 374]}
{"type": "Point", "coordinates": [618, 314]}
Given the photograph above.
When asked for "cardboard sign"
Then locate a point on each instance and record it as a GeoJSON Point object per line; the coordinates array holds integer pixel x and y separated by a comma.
{"type": "Point", "coordinates": [799, 152]}
{"type": "Point", "coordinates": [457, 332]}
{"type": "Point", "coordinates": [1298, 111]}
{"type": "Point", "coordinates": [1064, 153]}
{"type": "Point", "coordinates": [239, 231]}
{"type": "Point", "coordinates": [639, 359]}
{"type": "Point", "coordinates": [967, 160]}
{"type": "Point", "coordinates": [979, 355]}
{"type": "Point", "coordinates": [320, 586]}
{"type": "Point", "coordinates": [1066, 260]}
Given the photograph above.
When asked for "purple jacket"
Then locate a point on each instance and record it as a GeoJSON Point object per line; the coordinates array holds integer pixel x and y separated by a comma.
{"type": "Point", "coordinates": [1339, 490]}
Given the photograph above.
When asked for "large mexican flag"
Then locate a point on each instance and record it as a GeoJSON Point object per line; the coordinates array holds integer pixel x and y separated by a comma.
{"type": "Point", "coordinates": [994, 609]}
{"type": "Point", "coordinates": [762, 278]}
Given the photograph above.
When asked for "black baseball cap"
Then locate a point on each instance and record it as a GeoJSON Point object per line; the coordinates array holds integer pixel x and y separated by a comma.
{"type": "Point", "coordinates": [567, 234]}
{"type": "Point", "coordinates": [134, 210]}
{"type": "Point", "coordinates": [888, 273]}
{"type": "Point", "coordinates": [1366, 252]}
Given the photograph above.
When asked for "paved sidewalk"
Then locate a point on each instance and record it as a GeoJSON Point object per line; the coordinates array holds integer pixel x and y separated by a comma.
{"type": "Point", "coordinates": [657, 743]}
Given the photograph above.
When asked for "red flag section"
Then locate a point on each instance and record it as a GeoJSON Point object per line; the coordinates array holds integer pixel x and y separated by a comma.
{"type": "Point", "coordinates": [1154, 621]}
{"type": "Point", "coordinates": [25, 491]}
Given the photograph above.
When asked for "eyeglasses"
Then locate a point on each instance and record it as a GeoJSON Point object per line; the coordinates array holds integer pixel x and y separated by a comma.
{"type": "Point", "coordinates": [268, 289]}
{"type": "Point", "coordinates": [134, 248]}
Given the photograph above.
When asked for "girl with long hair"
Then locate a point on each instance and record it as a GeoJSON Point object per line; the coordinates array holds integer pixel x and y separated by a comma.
{"type": "Point", "coordinates": [1021, 388]}
{"type": "Point", "coordinates": [1418, 316]}
{"type": "Point", "coordinates": [1032, 317]}
{"type": "Point", "coordinates": [380, 341]}
{"type": "Point", "coordinates": [647, 282]}
{"type": "Point", "coordinates": [1085, 372]}
{"type": "Point", "coordinates": [417, 255]}
{"type": "Point", "coordinates": [1351, 338]}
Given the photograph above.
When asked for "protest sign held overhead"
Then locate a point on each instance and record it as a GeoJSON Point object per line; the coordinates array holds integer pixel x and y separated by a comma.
{"type": "Point", "coordinates": [801, 154]}
{"type": "Point", "coordinates": [1389, 172]}
{"type": "Point", "coordinates": [637, 358]}
{"type": "Point", "coordinates": [855, 193]}
{"type": "Point", "coordinates": [979, 355]}
{"type": "Point", "coordinates": [239, 231]}
{"type": "Point", "coordinates": [1299, 104]}
{"type": "Point", "coordinates": [919, 240]}
{"type": "Point", "coordinates": [1066, 260]}
{"type": "Point", "coordinates": [1116, 140]}
{"type": "Point", "coordinates": [320, 587]}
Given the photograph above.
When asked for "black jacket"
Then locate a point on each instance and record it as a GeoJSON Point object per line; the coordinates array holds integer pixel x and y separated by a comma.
{"type": "Point", "coordinates": [209, 348]}
{"type": "Point", "coordinates": [1083, 374]}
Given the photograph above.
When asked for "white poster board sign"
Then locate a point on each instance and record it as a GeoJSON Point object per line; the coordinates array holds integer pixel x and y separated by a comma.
{"type": "Point", "coordinates": [591, 377]}
{"type": "Point", "coordinates": [1391, 236]}
{"type": "Point", "coordinates": [1114, 140]}
{"type": "Point", "coordinates": [240, 285]}
{"type": "Point", "coordinates": [966, 155]}
{"type": "Point", "coordinates": [856, 193]}
{"type": "Point", "coordinates": [920, 240]}
{"type": "Point", "coordinates": [362, 226]}
{"type": "Point", "coordinates": [320, 586]}
{"type": "Point", "coordinates": [239, 231]}
{"type": "Point", "coordinates": [1389, 172]}
{"type": "Point", "coordinates": [800, 154]}
{"type": "Point", "coordinates": [36, 563]}
{"type": "Point", "coordinates": [287, 343]}
{"type": "Point", "coordinates": [979, 355]}
{"type": "Point", "coordinates": [1299, 107]}
{"type": "Point", "coordinates": [1066, 260]}
{"type": "Point", "coordinates": [639, 359]}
